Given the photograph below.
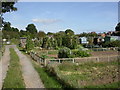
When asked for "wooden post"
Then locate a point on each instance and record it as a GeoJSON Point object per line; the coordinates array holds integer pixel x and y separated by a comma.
{"type": "Point", "coordinates": [73, 60]}
{"type": "Point", "coordinates": [59, 60]}
{"type": "Point", "coordinates": [98, 59]}
{"type": "Point", "coordinates": [108, 59]}
{"type": "Point", "coordinates": [45, 62]}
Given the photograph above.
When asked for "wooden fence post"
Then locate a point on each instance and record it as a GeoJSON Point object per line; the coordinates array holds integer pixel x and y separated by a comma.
{"type": "Point", "coordinates": [73, 60]}
{"type": "Point", "coordinates": [98, 59]}
{"type": "Point", "coordinates": [108, 59]}
{"type": "Point", "coordinates": [59, 60]}
{"type": "Point", "coordinates": [45, 62]}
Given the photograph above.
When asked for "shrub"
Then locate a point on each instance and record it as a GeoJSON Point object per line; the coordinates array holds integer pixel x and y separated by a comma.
{"type": "Point", "coordinates": [80, 53]}
{"type": "Point", "coordinates": [112, 44]}
{"type": "Point", "coordinates": [64, 53]}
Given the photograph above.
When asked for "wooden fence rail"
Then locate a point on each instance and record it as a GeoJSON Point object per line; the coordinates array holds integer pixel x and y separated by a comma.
{"type": "Point", "coordinates": [45, 62]}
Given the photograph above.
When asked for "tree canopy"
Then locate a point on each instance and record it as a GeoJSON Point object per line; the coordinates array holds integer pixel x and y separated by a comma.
{"type": "Point", "coordinates": [41, 34]}
{"type": "Point", "coordinates": [69, 32]}
{"type": "Point", "coordinates": [117, 28]}
{"type": "Point", "coordinates": [7, 7]}
{"type": "Point", "coordinates": [31, 28]}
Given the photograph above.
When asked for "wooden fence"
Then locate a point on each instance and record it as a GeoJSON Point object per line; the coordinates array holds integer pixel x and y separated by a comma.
{"type": "Point", "coordinates": [45, 62]}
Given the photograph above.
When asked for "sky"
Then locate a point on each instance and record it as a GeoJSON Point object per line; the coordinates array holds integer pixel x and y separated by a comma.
{"type": "Point", "coordinates": [59, 16]}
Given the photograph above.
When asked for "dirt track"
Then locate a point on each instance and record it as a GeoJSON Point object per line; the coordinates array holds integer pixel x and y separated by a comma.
{"type": "Point", "coordinates": [4, 63]}
{"type": "Point", "coordinates": [31, 77]}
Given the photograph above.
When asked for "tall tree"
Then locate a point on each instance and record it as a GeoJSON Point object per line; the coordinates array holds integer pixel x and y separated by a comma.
{"type": "Point", "coordinates": [29, 44]}
{"type": "Point", "coordinates": [15, 29]}
{"type": "Point", "coordinates": [41, 34]}
{"type": "Point", "coordinates": [117, 28]}
{"type": "Point", "coordinates": [31, 28]}
{"type": "Point", "coordinates": [6, 7]}
{"type": "Point", "coordinates": [7, 26]}
{"type": "Point", "coordinates": [69, 32]}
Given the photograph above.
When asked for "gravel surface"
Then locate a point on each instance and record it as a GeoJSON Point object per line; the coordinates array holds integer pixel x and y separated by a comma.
{"type": "Point", "coordinates": [31, 77]}
{"type": "Point", "coordinates": [4, 63]}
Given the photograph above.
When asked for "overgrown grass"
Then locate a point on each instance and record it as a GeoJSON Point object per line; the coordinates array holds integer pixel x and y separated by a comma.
{"type": "Point", "coordinates": [111, 85]}
{"type": "Point", "coordinates": [85, 75]}
{"type": "Point", "coordinates": [48, 79]}
{"type": "Point", "coordinates": [14, 77]}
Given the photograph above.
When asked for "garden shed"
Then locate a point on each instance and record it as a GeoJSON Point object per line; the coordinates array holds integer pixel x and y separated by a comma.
{"type": "Point", "coordinates": [23, 42]}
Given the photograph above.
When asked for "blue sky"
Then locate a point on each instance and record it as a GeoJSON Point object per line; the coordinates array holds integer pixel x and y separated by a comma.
{"type": "Point", "coordinates": [59, 16]}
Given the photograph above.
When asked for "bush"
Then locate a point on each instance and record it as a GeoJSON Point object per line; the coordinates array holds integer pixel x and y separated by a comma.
{"type": "Point", "coordinates": [80, 53]}
{"type": "Point", "coordinates": [112, 44]}
{"type": "Point", "coordinates": [64, 53]}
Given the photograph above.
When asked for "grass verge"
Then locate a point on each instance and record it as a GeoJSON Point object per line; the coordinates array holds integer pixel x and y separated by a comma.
{"type": "Point", "coordinates": [14, 77]}
{"type": "Point", "coordinates": [48, 80]}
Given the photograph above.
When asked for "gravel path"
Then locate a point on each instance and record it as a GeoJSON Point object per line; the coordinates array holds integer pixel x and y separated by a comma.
{"type": "Point", "coordinates": [31, 77]}
{"type": "Point", "coordinates": [4, 63]}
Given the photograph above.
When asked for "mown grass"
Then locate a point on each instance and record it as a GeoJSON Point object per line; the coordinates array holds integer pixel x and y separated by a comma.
{"type": "Point", "coordinates": [14, 77]}
{"type": "Point", "coordinates": [48, 80]}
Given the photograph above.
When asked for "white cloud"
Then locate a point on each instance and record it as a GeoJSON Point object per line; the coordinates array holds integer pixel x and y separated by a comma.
{"type": "Point", "coordinates": [46, 21]}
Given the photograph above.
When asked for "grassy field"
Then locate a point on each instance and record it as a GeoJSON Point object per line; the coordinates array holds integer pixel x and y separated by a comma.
{"type": "Point", "coordinates": [48, 80]}
{"type": "Point", "coordinates": [89, 75]}
{"type": "Point", "coordinates": [14, 77]}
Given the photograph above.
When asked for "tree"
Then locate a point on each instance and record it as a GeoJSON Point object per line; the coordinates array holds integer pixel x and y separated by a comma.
{"type": "Point", "coordinates": [10, 32]}
{"type": "Point", "coordinates": [117, 28]}
{"type": "Point", "coordinates": [23, 33]}
{"type": "Point", "coordinates": [7, 26]}
{"type": "Point", "coordinates": [41, 34]}
{"type": "Point", "coordinates": [50, 33]}
{"type": "Point", "coordinates": [70, 41]}
{"type": "Point", "coordinates": [69, 32]}
{"type": "Point", "coordinates": [29, 44]}
{"type": "Point", "coordinates": [15, 29]}
{"type": "Point", "coordinates": [45, 42]}
{"type": "Point", "coordinates": [7, 7]}
{"type": "Point", "coordinates": [31, 28]}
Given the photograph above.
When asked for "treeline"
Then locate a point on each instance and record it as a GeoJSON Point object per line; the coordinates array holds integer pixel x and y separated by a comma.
{"type": "Point", "coordinates": [48, 40]}
{"type": "Point", "coordinates": [41, 39]}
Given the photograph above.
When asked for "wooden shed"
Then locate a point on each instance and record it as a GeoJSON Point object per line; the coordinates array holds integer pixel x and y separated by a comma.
{"type": "Point", "coordinates": [23, 42]}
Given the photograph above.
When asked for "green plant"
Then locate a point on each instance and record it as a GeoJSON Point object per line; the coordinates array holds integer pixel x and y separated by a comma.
{"type": "Point", "coordinates": [43, 56]}
{"type": "Point", "coordinates": [112, 44]}
{"type": "Point", "coordinates": [48, 79]}
{"type": "Point", "coordinates": [80, 53]}
{"type": "Point", "coordinates": [64, 53]}
{"type": "Point", "coordinates": [29, 44]}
